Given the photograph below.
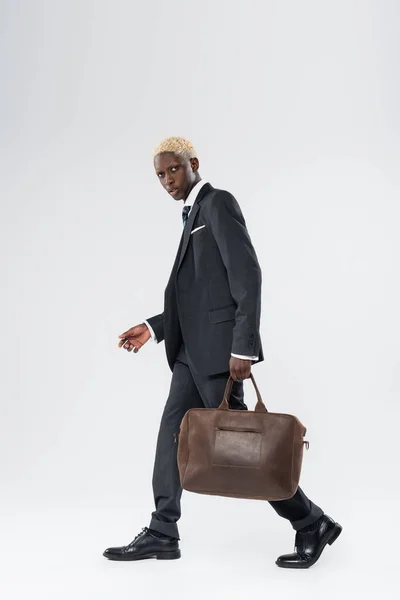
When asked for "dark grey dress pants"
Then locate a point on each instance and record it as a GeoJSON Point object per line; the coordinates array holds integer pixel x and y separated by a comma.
{"type": "Point", "coordinates": [189, 389]}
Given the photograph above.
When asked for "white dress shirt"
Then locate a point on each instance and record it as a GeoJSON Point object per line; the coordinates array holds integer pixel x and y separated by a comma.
{"type": "Point", "coordinates": [190, 201]}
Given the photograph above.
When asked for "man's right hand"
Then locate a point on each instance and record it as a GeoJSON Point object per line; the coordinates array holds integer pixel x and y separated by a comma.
{"type": "Point", "coordinates": [134, 338]}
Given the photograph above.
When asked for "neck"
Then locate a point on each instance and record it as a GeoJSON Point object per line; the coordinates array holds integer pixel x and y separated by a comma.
{"type": "Point", "coordinates": [197, 179]}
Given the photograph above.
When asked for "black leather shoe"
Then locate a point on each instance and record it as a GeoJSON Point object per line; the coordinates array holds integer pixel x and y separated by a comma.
{"type": "Point", "coordinates": [146, 545]}
{"type": "Point", "coordinates": [310, 544]}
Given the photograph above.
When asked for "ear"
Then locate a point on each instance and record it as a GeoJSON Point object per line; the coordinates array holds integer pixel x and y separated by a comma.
{"type": "Point", "coordinates": [195, 164]}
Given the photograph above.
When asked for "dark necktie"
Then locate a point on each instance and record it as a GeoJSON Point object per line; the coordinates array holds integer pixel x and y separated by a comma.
{"type": "Point", "coordinates": [185, 214]}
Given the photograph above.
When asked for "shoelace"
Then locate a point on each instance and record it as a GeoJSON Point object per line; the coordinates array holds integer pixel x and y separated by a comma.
{"type": "Point", "coordinates": [144, 530]}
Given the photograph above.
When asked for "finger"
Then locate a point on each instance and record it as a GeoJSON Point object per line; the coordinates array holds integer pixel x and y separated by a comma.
{"type": "Point", "coordinates": [129, 333]}
{"type": "Point", "coordinates": [135, 342]}
{"type": "Point", "coordinates": [126, 341]}
{"type": "Point", "coordinates": [135, 330]}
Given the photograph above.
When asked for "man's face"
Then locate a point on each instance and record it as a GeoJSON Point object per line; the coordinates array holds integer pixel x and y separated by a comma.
{"type": "Point", "coordinates": [176, 174]}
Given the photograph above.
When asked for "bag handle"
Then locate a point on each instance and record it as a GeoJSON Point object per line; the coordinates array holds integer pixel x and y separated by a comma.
{"type": "Point", "coordinates": [260, 406]}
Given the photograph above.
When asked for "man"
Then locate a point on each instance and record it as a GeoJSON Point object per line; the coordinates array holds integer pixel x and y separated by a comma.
{"type": "Point", "coordinates": [210, 324]}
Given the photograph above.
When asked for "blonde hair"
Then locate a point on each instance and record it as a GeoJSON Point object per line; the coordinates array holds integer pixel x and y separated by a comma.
{"type": "Point", "coordinates": [176, 145]}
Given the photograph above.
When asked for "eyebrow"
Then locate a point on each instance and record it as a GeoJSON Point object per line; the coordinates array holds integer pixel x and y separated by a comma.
{"type": "Point", "coordinates": [169, 167]}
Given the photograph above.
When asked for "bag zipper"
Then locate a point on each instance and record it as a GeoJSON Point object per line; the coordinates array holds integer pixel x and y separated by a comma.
{"type": "Point", "coordinates": [239, 429]}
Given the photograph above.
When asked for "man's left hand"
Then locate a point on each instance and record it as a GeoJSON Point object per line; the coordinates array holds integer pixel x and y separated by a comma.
{"type": "Point", "coordinates": [239, 368]}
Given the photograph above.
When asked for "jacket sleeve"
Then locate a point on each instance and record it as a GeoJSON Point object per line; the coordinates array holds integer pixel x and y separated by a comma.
{"type": "Point", "coordinates": [156, 327]}
{"type": "Point", "coordinates": [224, 218]}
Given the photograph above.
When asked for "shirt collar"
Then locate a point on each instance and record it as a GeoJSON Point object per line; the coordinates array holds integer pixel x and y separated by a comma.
{"type": "Point", "coordinates": [194, 192]}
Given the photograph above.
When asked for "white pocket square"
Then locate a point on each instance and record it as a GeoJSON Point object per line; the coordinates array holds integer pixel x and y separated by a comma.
{"type": "Point", "coordinates": [197, 228]}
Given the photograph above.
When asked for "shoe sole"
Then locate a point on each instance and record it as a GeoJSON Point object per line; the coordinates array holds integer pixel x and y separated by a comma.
{"type": "Point", "coordinates": [332, 537]}
{"type": "Point", "coordinates": [167, 555]}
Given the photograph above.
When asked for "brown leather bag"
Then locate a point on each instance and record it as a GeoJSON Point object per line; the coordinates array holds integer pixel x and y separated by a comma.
{"type": "Point", "coordinates": [240, 453]}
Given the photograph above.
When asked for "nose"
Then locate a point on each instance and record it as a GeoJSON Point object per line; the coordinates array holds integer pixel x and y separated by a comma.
{"type": "Point", "coordinates": [169, 180]}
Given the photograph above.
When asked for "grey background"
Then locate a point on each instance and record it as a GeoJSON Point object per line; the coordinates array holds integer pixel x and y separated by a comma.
{"type": "Point", "coordinates": [293, 107]}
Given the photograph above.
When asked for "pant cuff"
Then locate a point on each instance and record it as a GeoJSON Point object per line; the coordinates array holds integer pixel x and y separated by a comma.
{"type": "Point", "coordinates": [170, 529]}
{"type": "Point", "coordinates": [315, 513]}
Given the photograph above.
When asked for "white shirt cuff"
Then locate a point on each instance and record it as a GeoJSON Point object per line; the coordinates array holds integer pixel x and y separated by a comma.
{"type": "Point", "coordinates": [153, 335]}
{"type": "Point", "coordinates": [245, 357]}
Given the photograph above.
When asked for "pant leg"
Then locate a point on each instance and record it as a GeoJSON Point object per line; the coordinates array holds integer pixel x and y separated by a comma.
{"type": "Point", "coordinates": [299, 510]}
{"type": "Point", "coordinates": [188, 390]}
{"type": "Point", "coordinates": [167, 490]}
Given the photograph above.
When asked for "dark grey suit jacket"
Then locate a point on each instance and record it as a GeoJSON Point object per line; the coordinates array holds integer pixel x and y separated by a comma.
{"type": "Point", "coordinates": [213, 296]}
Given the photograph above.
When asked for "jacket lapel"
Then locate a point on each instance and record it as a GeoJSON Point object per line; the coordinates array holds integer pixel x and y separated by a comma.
{"type": "Point", "coordinates": [189, 223]}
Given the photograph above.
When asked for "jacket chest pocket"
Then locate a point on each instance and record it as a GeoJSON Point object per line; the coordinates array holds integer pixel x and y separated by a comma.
{"type": "Point", "coordinates": [197, 230]}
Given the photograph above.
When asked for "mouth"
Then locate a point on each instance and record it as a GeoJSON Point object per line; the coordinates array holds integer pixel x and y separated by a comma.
{"type": "Point", "coordinates": [174, 192]}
